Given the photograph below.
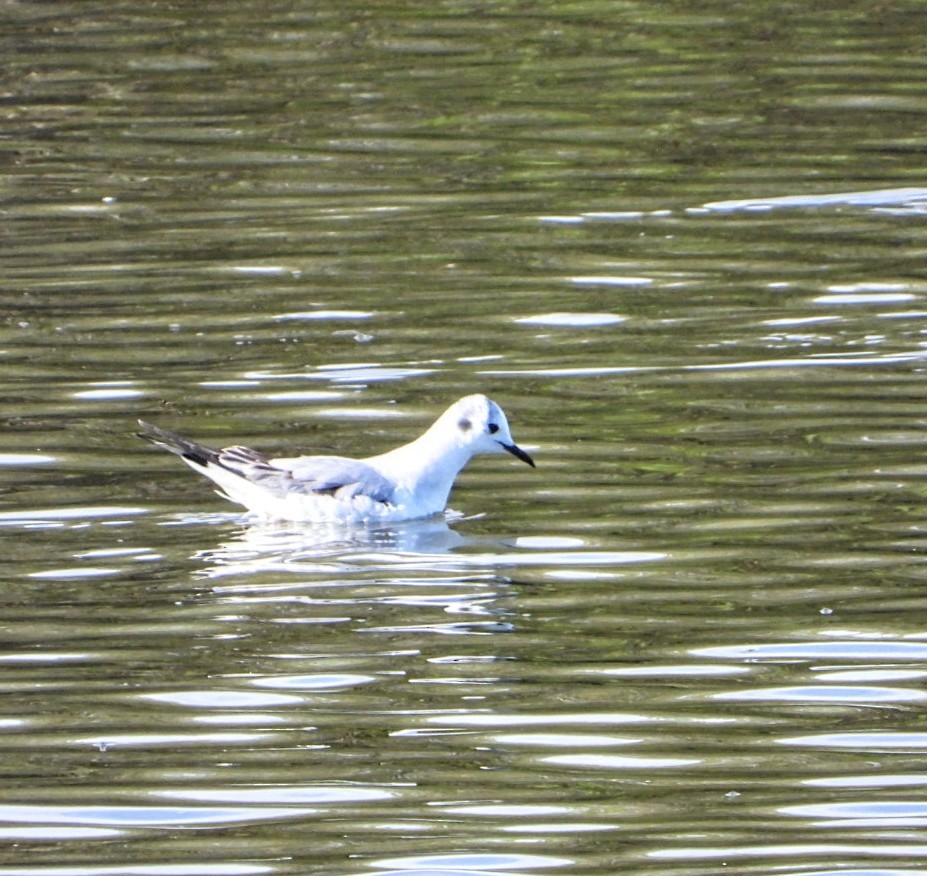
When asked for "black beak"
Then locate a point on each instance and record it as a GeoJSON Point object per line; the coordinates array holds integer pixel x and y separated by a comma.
{"type": "Point", "coordinates": [518, 453]}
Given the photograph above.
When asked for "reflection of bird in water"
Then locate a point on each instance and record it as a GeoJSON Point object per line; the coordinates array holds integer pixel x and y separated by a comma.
{"type": "Point", "coordinates": [412, 481]}
{"type": "Point", "coordinates": [410, 563]}
{"type": "Point", "coordinates": [268, 546]}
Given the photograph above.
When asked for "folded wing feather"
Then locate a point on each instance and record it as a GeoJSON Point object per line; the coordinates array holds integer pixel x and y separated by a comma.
{"type": "Point", "coordinates": [325, 475]}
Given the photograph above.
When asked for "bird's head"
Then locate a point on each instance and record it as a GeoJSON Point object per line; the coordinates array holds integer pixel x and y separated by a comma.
{"type": "Point", "coordinates": [481, 427]}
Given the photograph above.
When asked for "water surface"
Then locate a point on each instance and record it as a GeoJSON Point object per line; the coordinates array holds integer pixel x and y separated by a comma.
{"type": "Point", "coordinates": [681, 246]}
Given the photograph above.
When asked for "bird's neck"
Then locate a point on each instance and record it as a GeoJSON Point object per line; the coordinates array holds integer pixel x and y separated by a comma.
{"type": "Point", "coordinates": [426, 468]}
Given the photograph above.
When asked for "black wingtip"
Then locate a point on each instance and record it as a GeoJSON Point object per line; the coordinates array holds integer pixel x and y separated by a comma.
{"type": "Point", "coordinates": [183, 447]}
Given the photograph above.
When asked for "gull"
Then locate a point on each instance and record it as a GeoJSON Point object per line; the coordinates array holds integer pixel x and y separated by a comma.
{"type": "Point", "coordinates": [412, 481]}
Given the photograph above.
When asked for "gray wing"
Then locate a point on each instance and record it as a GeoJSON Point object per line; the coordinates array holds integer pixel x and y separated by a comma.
{"type": "Point", "coordinates": [322, 475]}
{"type": "Point", "coordinates": [336, 475]}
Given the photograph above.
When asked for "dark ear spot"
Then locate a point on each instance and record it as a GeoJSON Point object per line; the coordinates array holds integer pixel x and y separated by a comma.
{"type": "Point", "coordinates": [464, 424]}
{"type": "Point", "coordinates": [492, 428]}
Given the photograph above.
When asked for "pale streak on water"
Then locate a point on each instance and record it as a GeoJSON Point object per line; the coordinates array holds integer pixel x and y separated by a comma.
{"type": "Point", "coordinates": [683, 248]}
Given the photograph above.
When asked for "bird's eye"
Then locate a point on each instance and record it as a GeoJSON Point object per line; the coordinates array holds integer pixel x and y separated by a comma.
{"type": "Point", "coordinates": [492, 428]}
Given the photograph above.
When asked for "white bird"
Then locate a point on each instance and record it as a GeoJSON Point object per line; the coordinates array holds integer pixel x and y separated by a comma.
{"type": "Point", "coordinates": [412, 481]}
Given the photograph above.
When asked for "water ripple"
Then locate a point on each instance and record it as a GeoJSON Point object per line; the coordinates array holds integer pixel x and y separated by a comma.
{"type": "Point", "coordinates": [795, 851]}
{"type": "Point", "coordinates": [284, 795]}
{"type": "Point", "coordinates": [617, 762]}
{"type": "Point", "coordinates": [467, 864]}
{"type": "Point", "coordinates": [825, 694]}
{"type": "Point", "coordinates": [887, 649]}
{"type": "Point", "coordinates": [144, 816]}
{"type": "Point", "coordinates": [864, 741]}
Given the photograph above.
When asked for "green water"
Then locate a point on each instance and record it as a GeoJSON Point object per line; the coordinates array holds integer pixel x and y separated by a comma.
{"type": "Point", "coordinates": [692, 639]}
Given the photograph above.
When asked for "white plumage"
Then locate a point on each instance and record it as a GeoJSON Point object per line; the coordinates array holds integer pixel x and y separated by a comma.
{"type": "Point", "coordinates": [412, 481]}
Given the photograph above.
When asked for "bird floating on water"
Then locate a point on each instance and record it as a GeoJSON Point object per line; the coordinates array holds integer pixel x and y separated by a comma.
{"type": "Point", "coordinates": [412, 481]}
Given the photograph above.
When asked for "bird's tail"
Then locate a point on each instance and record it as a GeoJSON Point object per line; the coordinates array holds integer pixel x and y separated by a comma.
{"type": "Point", "coordinates": [198, 454]}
